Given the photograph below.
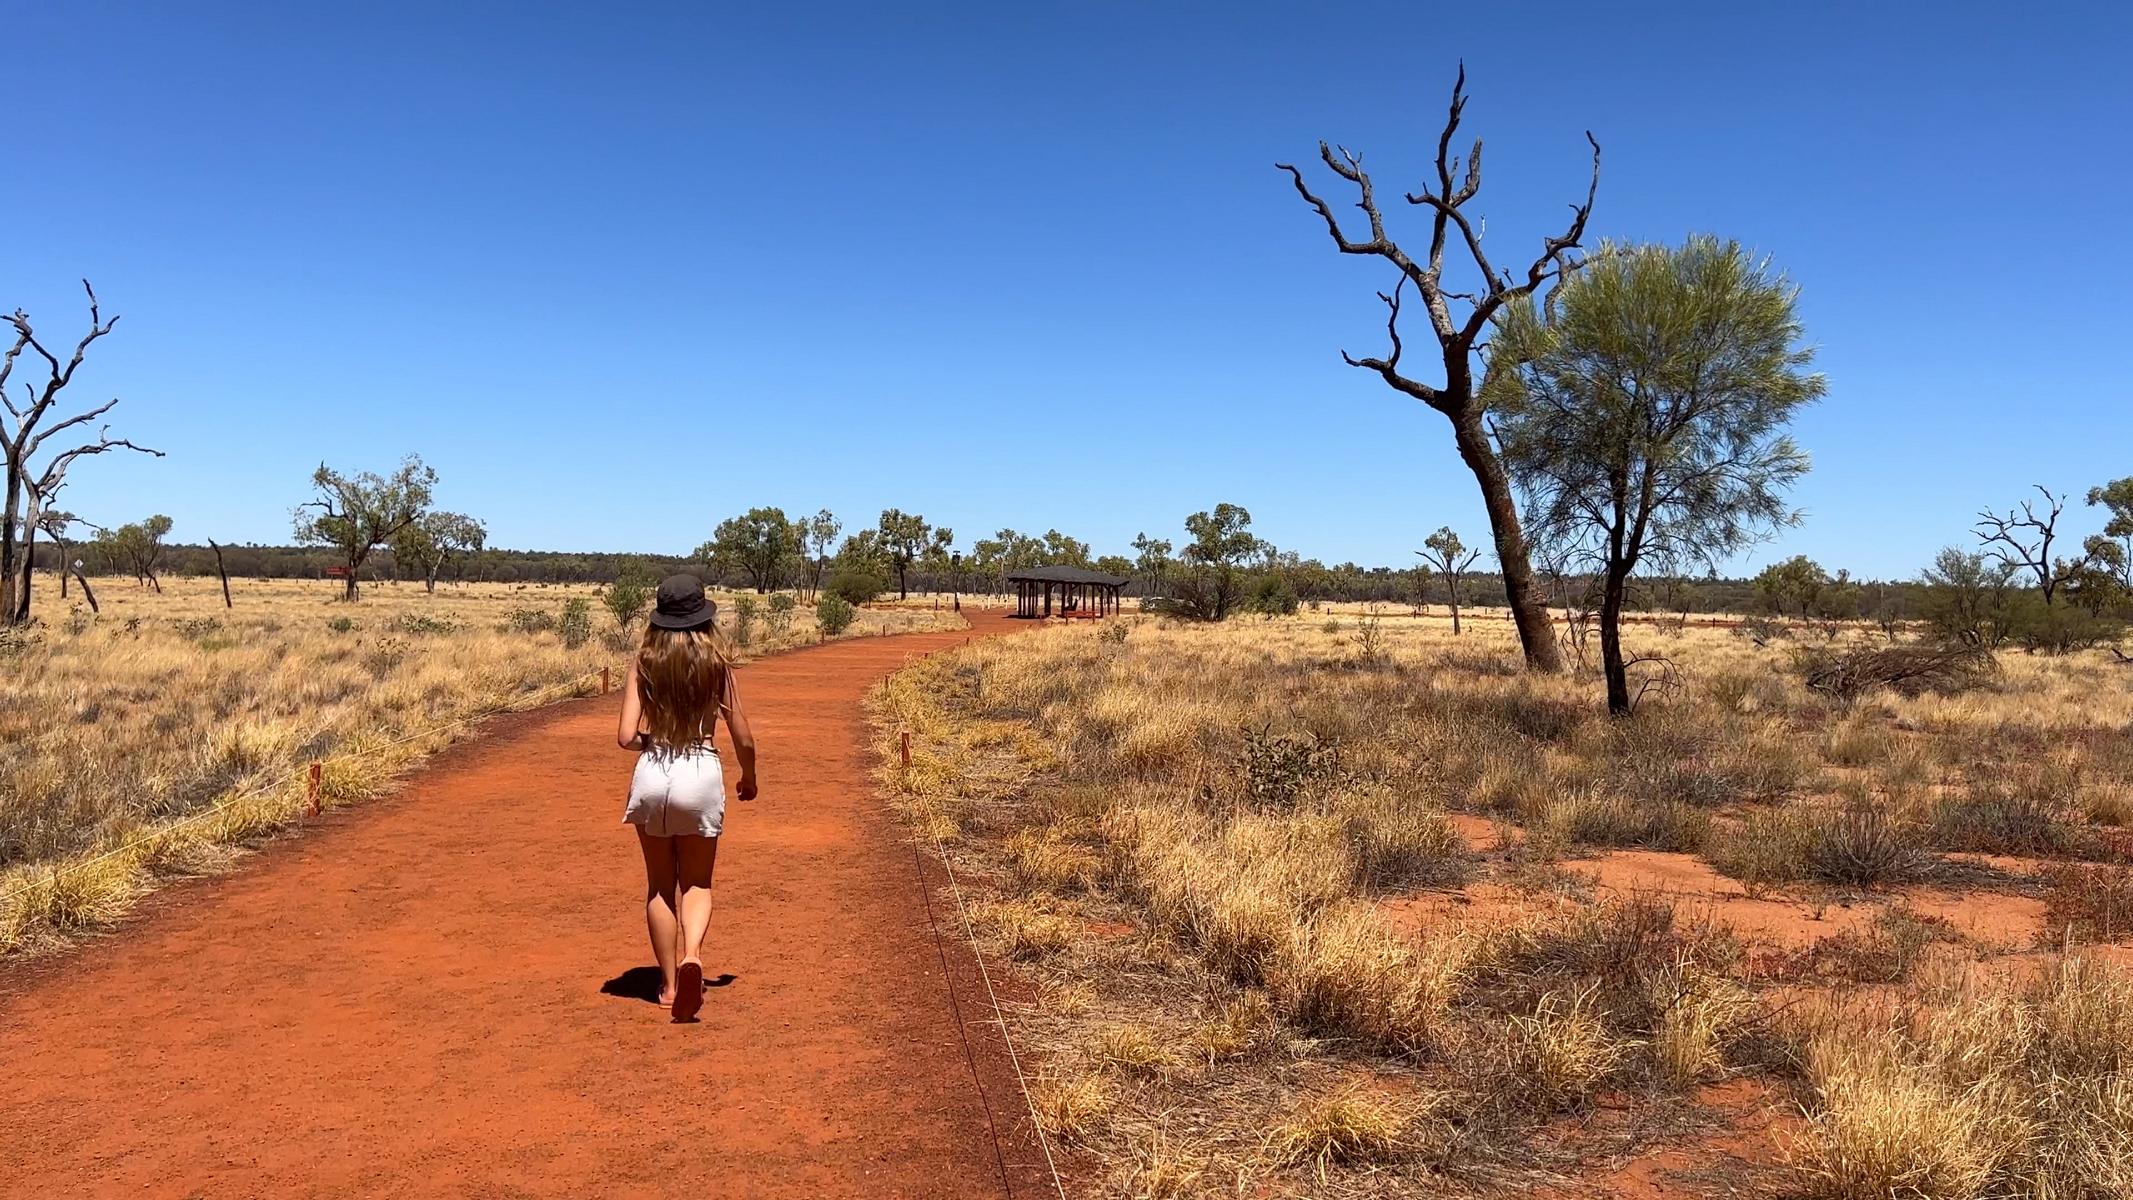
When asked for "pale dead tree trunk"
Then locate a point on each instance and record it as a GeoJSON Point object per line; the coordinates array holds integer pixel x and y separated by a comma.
{"type": "Point", "coordinates": [1461, 397]}
{"type": "Point", "coordinates": [30, 485]}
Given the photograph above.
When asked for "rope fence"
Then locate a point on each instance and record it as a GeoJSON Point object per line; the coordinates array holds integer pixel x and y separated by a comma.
{"type": "Point", "coordinates": [313, 775]}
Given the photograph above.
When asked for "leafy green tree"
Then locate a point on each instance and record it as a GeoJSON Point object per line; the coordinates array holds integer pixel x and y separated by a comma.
{"type": "Point", "coordinates": [1222, 541]}
{"type": "Point", "coordinates": [1063, 551]}
{"type": "Point", "coordinates": [759, 542]}
{"type": "Point", "coordinates": [1647, 426]}
{"type": "Point", "coordinates": [137, 547]}
{"type": "Point", "coordinates": [906, 538]}
{"type": "Point", "coordinates": [2113, 548]}
{"type": "Point", "coordinates": [818, 534]}
{"type": "Point", "coordinates": [1152, 560]}
{"type": "Point", "coordinates": [434, 539]}
{"type": "Point", "coordinates": [1794, 585]}
{"type": "Point", "coordinates": [1449, 557]}
{"type": "Point", "coordinates": [355, 514]}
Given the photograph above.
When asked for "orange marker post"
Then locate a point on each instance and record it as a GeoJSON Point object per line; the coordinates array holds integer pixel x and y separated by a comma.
{"type": "Point", "coordinates": [603, 681]}
{"type": "Point", "coordinates": [311, 788]}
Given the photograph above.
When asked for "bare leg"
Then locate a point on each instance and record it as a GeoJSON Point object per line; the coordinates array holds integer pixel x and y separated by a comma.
{"type": "Point", "coordinates": [659, 908]}
{"type": "Point", "coordinates": [696, 856]}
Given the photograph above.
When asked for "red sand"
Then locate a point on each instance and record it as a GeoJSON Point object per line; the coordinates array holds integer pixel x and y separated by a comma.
{"type": "Point", "coordinates": [409, 1001]}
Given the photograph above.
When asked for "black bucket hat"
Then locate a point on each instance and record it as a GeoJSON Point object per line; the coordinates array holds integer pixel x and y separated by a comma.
{"type": "Point", "coordinates": [682, 604]}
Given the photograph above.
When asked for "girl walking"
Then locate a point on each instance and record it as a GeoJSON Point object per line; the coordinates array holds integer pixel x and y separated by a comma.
{"type": "Point", "coordinates": [680, 685]}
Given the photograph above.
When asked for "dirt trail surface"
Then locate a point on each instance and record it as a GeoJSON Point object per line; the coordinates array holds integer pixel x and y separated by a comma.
{"type": "Point", "coordinates": [448, 993]}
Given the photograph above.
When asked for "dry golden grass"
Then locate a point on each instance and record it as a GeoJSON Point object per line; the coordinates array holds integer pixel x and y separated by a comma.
{"type": "Point", "coordinates": [1270, 807]}
{"type": "Point", "coordinates": [118, 731]}
{"type": "Point", "coordinates": [2001, 1090]}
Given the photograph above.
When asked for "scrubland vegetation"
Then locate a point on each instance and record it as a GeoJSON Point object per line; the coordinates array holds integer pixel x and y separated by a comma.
{"type": "Point", "coordinates": [118, 727]}
{"type": "Point", "coordinates": [1345, 905]}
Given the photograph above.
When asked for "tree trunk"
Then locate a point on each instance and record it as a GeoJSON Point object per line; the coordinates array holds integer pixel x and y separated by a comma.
{"type": "Point", "coordinates": [221, 572]}
{"type": "Point", "coordinates": [1611, 599]}
{"type": "Point", "coordinates": [348, 585]}
{"type": "Point", "coordinates": [1529, 609]}
{"type": "Point", "coordinates": [1455, 608]}
{"type": "Point", "coordinates": [29, 563]}
{"type": "Point", "coordinates": [8, 516]}
{"type": "Point", "coordinates": [86, 594]}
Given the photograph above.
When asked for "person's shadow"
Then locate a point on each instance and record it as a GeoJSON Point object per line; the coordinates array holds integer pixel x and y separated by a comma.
{"type": "Point", "coordinates": [642, 983]}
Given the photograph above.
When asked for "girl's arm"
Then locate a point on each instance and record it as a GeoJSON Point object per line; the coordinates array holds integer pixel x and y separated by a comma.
{"type": "Point", "coordinates": [736, 719]}
{"type": "Point", "coordinates": [627, 734]}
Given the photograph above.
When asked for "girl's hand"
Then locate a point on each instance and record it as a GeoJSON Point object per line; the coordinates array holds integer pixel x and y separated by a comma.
{"type": "Point", "coordinates": [747, 788]}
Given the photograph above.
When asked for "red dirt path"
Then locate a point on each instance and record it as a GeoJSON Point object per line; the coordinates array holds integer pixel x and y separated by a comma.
{"type": "Point", "coordinates": [409, 1000]}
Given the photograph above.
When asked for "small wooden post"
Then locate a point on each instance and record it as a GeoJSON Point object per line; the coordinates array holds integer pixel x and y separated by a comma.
{"type": "Point", "coordinates": [905, 741]}
{"type": "Point", "coordinates": [603, 681]}
{"type": "Point", "coordinates": [311, 788]}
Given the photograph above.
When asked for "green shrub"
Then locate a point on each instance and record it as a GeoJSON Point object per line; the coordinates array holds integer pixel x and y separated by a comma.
{"type": "Point", "coordinates": [577, 623]}
{"type": "Point", "coordinates": [422, 625]}
{"type": "Point", "coordinates": [337, 624]}
{"type": "Point", "coordinates": [834, 613]}
{"type": "Point", "coordinates": [627, 596]}
{"type": "Point", "coordinates": [779, 618]}
{"type": "Point", "coordinates": [857, 584]}
{"type": "Point", "coordinates": [744, 610]}
{"type": "Point", "coordinates": [527, 620]}
{"type": "Point", "coordinates": [1274, 597]}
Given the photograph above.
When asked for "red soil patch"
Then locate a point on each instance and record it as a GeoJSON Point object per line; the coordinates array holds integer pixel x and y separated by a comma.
{"type": "Point", "coordinates": [1797, 918]}
{"type": "Point", "coordinates": [1753, 1120]}
{"type": "Point", "coordinates": [416, 1000]}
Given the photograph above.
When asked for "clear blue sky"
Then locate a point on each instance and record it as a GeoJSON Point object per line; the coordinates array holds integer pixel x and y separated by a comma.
{"type": "Point", "coordinates": [620, 271]}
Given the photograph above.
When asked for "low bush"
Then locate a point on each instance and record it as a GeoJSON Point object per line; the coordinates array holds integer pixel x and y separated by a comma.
{"type": "Point", "coordinates": [2005, 1091]}
{"type": "Point", "coordinates": [857, 584]}
{"type": "Point", "coordinates": [834, 614]}
{"type": "Point", "coordinates": [1857, 842]}
{"type": "Point", "coordinates": [1944, 670]}
{"type": "Point", "coordinates": [527, 620]}
{"type": "Point", "coordinates": [2087, 903]}
{"type": "Point", "coordinates": [778, 618]}
{"type": "Point", "coordinates": [576, 622]}
{"type": "Point", "coordinates": [744, 614]}
{"type": "Point", "coordinates": [1993, 816]}
{"type": "Point", "coordinates": [1593, 817]}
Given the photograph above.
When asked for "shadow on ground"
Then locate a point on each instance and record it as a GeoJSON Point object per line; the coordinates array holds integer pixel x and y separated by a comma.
{"type": "Point", "coordinates": [642, 983]}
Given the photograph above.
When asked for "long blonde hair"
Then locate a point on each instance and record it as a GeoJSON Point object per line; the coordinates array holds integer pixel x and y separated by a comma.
{"type": "Point", "coordinates": [681, 681]}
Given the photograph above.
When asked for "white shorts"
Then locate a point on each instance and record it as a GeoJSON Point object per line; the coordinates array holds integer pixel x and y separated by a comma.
{"type": "Point", "coordinates": [678, 793]}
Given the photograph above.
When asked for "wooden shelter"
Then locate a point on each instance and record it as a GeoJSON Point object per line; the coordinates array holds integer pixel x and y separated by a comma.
{"type": "Point", "coordinates": [1080, 592]}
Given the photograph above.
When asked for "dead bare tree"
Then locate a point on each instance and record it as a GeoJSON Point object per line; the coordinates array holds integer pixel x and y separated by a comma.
{"type": "Point", "coordinates": [1461, 398]}
{"type": "Point", "coordinates": [31, 485]}
{"type": "Point", "coordinates": [2021, 540]}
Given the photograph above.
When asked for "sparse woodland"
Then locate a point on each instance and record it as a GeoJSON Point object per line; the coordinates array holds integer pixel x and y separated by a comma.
{"type": "Point", "coordinates": [1485, 872]}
